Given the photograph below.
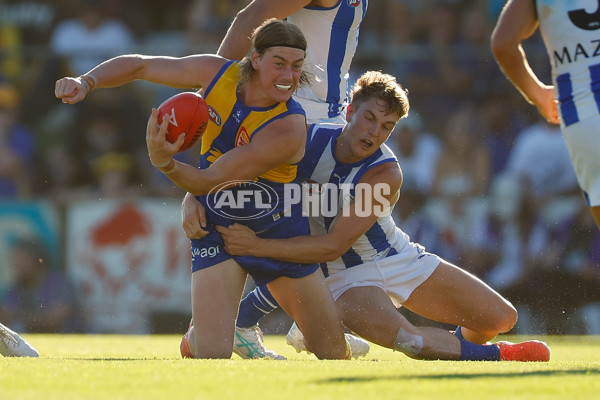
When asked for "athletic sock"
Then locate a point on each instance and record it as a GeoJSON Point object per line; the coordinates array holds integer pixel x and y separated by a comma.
{"type": "Point", "coordinates": [458, 333]}
{"type": "Point", "coordinates": [254, 306]}
{"type": "Point", "coordinates": [478, 352]}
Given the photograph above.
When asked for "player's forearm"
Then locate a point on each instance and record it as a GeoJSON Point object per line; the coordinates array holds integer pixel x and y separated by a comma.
{"type": "Point", "coordinates": [515, 66]}
{"type": "Point", "coordinates": [300, 249]}
{"type": "Point", "coordinates": [195, 181]}
{"type": "Point", "coordinates": [237, 43]}
{"type": "Point", "coordinates": [117, 71]}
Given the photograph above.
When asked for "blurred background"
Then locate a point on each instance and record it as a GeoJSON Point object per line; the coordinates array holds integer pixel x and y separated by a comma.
{"type": "Point", "coordinates": [90, 233]}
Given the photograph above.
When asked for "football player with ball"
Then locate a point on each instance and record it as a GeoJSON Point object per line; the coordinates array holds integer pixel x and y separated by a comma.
{"type": "Point", "coordinates": [251, 99]}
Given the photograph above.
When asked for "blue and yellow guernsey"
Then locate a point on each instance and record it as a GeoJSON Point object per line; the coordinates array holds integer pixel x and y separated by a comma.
{"type": "Point", "coordinates": [258, 204]}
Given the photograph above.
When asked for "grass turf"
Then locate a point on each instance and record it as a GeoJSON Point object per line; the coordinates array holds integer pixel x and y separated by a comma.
{"type": "Point", "coordinates": [149, 367]}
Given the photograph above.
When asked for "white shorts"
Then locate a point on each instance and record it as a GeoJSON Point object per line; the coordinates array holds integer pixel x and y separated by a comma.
{"type": "Point", "coordinates": [398, 275]}
{"type": "Point", "coordinates": [583, 142]}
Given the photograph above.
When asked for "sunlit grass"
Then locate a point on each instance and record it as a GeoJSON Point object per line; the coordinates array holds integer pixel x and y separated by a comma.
{"type": "Point", "coordinates": [149, 367]}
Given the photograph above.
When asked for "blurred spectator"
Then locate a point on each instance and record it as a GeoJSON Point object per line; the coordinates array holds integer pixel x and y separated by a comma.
{"type": "Point", "coordinates": [16, 146]}
{"type": "Point", "coordinates": [417, 151]}
{"type": "Point", "coordinates": [10, 50]}
{"type": "Point", "coordinates": [207, 21]}
{"type": "Point", "coordinates": [114, 175]}
{"type": "Point", "coordinates": [105, 135]}
{"type": "Point", "coordinates": [541, 163]}
{"type": "Point", "coordinates": [535, 201]}
{"type": "Point", "coordinates": [464, 164]}
{"type": "Point", "coordinates": [437, 79]}
{"type": "Point", "coordinates": [501, 124]}
{"type": "Point", "coordinates": [460, 185]}
{"type": "Point", "coordinates": [90, 38]}
{"type": "Point", "coordinates": [559, 291]}
{"type": "Point", "coordinates": [41, 298]}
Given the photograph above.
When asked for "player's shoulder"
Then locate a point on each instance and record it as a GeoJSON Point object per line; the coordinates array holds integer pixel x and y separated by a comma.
{"type": "Point", "coordinates": [387, 171]}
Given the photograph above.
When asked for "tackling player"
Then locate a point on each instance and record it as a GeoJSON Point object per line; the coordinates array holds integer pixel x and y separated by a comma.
{"type": "Point", "coordinates": [370, 265]}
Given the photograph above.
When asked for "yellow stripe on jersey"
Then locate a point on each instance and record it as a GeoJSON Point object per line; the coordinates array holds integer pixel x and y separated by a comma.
{"type": "Point", "coordinates": [222, 98]}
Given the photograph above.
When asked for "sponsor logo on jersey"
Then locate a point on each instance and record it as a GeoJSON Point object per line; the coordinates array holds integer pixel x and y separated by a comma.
{"type": "Point", "coordinates": [353, 3]}
{"type": "Point", "coordinates": [214, 116]}
{"type": "Point", "coordinates": [242, 137]}
{"type": "Point", "coordinates": [205, 252]}
{"type": "Point", "coordinates": [237, 115]}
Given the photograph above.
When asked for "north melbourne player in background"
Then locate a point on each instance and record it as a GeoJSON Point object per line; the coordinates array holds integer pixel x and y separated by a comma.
{"type": "Point", "coordinates": [260, 135]}
{"type": "Point", "coordinates": [570, 32]}
{"type": "Point", "coordinates": [371, 266]}
{"type": "Point", "coordinates": [331, 28]}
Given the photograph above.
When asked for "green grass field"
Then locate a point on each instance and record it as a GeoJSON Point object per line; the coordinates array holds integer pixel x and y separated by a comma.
{"type": "Point", "coordinates": [149, 367]}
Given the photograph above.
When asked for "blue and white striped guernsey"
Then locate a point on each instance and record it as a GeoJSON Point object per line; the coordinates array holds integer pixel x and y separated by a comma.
{"type": "Point", "coordinates": [332, 36]}
{"type": "Point", "coordinates": [320, 166]}
{"type": "Point", "coordinates": [571, 33]}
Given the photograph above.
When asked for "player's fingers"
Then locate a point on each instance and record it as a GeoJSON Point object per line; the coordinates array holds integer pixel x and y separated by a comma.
{"type": "Point", "coordinates": [239, 227]}
{"type": "Point", "coordinates": [150, 126]}
{"type": "Point", "coordinates": [180, 140]}
{"type": "Point", "coordinates": [164, 124]}
{"type": "Point", "coordinates": [202, 216]}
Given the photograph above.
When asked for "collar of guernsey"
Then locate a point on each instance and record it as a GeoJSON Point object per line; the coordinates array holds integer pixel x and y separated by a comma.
{"type": "Point", "coordinates": [233, 124]}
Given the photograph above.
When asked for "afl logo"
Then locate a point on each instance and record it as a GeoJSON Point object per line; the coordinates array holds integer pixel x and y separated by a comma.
{"type": "Point", "coordinates": [214, 116]}
{"type": "Point", "coordinates": [242, 200]}
{"type": "Point", "coordinates": [353, 3]}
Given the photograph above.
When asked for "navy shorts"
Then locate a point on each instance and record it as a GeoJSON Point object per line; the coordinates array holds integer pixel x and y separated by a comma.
{"type": "Point", "coordinates": [210, 251]}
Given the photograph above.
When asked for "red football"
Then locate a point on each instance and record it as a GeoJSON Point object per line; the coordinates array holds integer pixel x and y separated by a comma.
{"type": "Point", "coordinates": [188, 113]}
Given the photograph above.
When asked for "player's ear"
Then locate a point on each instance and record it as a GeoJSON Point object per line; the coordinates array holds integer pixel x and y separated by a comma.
{"type": "Point", "coordinates": [254, 58]}
{"type": "Point", "coordinates": [349, 112]}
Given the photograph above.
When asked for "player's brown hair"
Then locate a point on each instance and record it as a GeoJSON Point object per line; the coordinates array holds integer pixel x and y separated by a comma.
{"type": "Point", "coordinates": [383, 87]}
{"type": "Point", "coordinates": [271, 33]}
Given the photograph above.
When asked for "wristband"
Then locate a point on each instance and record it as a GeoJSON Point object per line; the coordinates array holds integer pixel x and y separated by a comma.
{"type": "Point", "coordinates": [89, 81]}
{"type": "Point", "coordinates": [170, 171]}
{"type": "Point", "coordinates": [162, 165]}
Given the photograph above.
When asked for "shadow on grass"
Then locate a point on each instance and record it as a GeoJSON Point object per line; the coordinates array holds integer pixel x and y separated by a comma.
{"type": "Point", "coordinates": [495, 375]}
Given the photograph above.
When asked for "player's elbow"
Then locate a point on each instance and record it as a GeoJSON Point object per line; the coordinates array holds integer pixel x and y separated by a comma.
{"type": "Point", "coordinates": [499, 45]}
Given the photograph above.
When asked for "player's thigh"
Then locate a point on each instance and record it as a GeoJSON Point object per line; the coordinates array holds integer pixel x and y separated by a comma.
{"type": "Point", "coordinates": [216, 293]}
{"type": "Point", "coordinates": [369, 312]}
{"type": "Point", "coordinates": [309, 302]}
{"type": "Point", "coordinates": [452, 295]}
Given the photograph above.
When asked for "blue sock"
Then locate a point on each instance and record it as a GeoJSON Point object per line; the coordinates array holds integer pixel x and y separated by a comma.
{"type": "Point", "coordinates": [458, 333]}
{"type": "Point", "coordinates": [256, 305]}
{"type": "Point", "coordinates": [478, 352]}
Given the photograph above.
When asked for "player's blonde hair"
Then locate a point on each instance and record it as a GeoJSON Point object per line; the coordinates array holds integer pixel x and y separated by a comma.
{"type": "Point", "coordinates": [383, 87]}
{"type": "Point", "coordinates": [271, 33]}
